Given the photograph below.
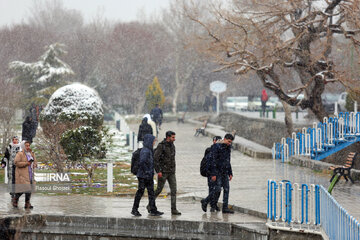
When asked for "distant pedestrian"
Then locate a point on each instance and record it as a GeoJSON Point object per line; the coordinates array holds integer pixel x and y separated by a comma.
{"type": "Point", "coordinates": [145, 177]}
{"type": "Point", "coordinates": [25, 163]}
{"type": "Point", "coordinates": [206, 104]}
{"type": "Point", "coordinates": [8, 163]}
{"type": "Point", "coordinates": [220, 172]}
{"type": "Point", "coordinates": [264, 99]}
{"type": "Point", "coordinates": [165, 166]}
{"type": "Point", "coordinates": [157, 115]}
{"type": "Point", "coordinates": [211, 184]}
{"type": "Point", "coordinates": [152, 124]}
{"type": "Point", "coordinates": [27, 130]}
{"type": "Point", "coordinates": [213, 103]}
{"type": "Point", "coordinates": [144, 129]}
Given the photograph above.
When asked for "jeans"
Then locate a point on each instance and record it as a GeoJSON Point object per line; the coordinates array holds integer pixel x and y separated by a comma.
{"type": "Point", "coordinates": [222, 181]}
{"type": "Point", "coordinates": [213, 196]}
{"type": "Point", "coordinates": [149, 185]}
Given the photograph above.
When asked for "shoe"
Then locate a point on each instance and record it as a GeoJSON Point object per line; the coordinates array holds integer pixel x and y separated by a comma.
{"type": "Point", "coordinates": [217, 209]}
{"type": "Point", "coordinates": [136, 213]}
{"type": "Point", "coordinates": [227, 210]}
{"type": "Point", "coordinates": [28, 206]}
{"type": "Point", "coordinates": [203, 205]}
{"type": "Point", "coordinates": [212, 209]}
{"type": "Point", "coordinates": [148, 208]}
{"type": "Point", "coordinates": [175, 212]}
{"type": "Point", "coordinates": [156, 213]}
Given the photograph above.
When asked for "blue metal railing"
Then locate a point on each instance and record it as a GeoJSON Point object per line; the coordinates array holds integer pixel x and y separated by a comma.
{"type": "Point", "coordinates": [321, 140]}
{"type": "Point", "coordinates": [335, 220]}
{"type": "Point", "coordinates": [306, 207]}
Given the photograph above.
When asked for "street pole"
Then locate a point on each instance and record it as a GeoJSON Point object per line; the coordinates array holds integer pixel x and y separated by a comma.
{"type": "Point", "coordinates": [110, 176]}
{"type": "Point", "coordinates": [217, 103]}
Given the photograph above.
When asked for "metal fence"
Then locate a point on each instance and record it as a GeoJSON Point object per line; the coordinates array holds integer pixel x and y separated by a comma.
{"type": "Point", "coordinates": [305, 208]}
{"type": "Point", "coordinates": [336, 222]}
{"type": "Point", "coordinates": [321, 140]}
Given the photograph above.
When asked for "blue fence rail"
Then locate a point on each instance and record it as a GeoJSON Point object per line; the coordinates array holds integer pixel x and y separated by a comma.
{"type": "Point", "coordinates": [309, 207]}
{"type": "Point", "coordinates": [321, 140]}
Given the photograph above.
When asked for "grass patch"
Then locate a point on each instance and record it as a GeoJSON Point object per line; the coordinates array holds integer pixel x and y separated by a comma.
{"type": "Point", "coordinates": [2, 175]}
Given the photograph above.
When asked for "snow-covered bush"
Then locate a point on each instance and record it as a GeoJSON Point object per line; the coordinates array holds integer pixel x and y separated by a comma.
{"type": "Point", "coordinates": [74, 104]}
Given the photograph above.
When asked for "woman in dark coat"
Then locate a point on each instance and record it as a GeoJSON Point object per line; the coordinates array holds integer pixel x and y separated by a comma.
{"type": "Point", "coordinates": [27, 129]}
{"type": "Point", "coordinates": [145, 177]}
{"type": "Point", "coordinates": [144, 129]}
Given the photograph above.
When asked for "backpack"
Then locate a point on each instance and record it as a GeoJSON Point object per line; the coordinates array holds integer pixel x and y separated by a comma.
{"type": "Point", "coordinates": [135, 159]}
{"type": "Point", "coordinates": [204, 165]}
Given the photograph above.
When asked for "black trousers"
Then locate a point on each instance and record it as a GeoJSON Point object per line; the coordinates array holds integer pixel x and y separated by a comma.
{"type": "Point", "coordinates": [27, 196]}
{"type": "Point", "coordinates": [149, 185]}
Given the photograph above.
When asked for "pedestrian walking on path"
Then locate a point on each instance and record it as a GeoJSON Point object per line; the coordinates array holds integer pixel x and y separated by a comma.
{"type": "Point", "coordinates": [211, 184]}
{"type": "Point", "coordinates": [165, 166]}
{"type": "Point", "coordinates": [220, 172]}
{"type": "Point", "coordinates": [145, 177]}
{"type": "Point", "coordinates": [157, 115]}
{"type": "Point", "coordinates": [25, 163]}
{"type": "Point", "coordinates": [264, 99]}
{"type": "Point", "coordinates": [144, 129]}
{"type": "Point", "coordinates": [8, 163]}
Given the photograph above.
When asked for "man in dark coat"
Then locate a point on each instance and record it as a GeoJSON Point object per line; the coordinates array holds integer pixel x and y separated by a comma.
{"type": "Point", "coordinates": [145, 177]}
{"type": "Point", "coordinates": [157, 115]}
{"type": "Point", "coordinates": [220, 172]}
{"type": "Point", "coordinates": [27, 129]}
{"type": "Point", "coordinates": [165, 166]}
{"type": "Point", "coordinates": [144, 129]}
{"type": "Point", "coordinates": [211, 184]}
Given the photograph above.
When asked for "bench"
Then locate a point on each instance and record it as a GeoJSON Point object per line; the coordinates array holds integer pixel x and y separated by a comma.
{"type": "Point", "coordinates": [201, 129]}
{"type": "Point", "coordinates": [345, 169]}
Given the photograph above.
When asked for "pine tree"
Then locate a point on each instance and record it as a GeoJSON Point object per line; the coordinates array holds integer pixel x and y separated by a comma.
{"type": "Point", "coordinates": [40, 79]}
{"type": "Point", "coordinates": [154, 94]}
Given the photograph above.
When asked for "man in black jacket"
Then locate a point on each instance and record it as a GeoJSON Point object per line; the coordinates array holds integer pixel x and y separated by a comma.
{"type": "Point", "coordinates": [144, 129]}
{"type": "Point", "coordinates": [165, 166]}
{"type": "Point", "coordinates": [220, 172]}
{"type": "Point", "coordinates": [211, 184]}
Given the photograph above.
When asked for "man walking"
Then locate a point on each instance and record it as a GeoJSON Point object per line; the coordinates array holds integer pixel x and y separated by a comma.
{"type": "Point", "coordinates": [211, 184]}
{"type": "Point", "coordinates": [220, 172]}
{"type": "Point", "coordinates": [145, 177]}
{"type": "Point", "coordinates": [157, 115]}
{"type": "Point", "coordinates": [165, 167]}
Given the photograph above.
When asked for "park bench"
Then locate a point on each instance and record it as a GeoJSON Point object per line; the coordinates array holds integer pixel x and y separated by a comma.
{"type": "Point", "coordinates": [182, 118]}
{"type": "Point", "coordinates": [201, 129]}
{"type": "Point", "coordinates": [345, 169]}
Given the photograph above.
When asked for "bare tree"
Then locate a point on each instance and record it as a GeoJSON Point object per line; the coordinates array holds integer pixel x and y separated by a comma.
{"type": "Point", "coordinates": [272, 37]}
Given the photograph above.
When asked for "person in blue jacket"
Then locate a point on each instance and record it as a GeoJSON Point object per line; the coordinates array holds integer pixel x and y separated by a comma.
{"type": "Point", "coordinates": [145, 177]}
{"type": "Point", "coordinates": [220, 172]}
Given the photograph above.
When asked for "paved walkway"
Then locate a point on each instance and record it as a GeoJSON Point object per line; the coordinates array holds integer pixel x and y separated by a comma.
{"type": "Point", "coordinates": [248, 188]}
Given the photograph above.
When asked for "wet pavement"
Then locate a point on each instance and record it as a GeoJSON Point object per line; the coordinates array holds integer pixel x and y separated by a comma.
{"type": "Point", "coordinates": [248, 189]}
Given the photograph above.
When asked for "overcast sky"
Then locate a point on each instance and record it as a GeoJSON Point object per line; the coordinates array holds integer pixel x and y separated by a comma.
{"type": "Point", "coordinates": [16, 11]}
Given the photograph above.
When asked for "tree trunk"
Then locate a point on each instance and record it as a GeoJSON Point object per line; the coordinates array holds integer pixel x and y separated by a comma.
{"type": "Point", "coordinates": [288, 118]}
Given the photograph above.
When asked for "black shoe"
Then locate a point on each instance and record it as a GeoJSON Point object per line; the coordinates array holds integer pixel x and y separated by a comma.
{"type": "Point", "coordinates": [156, 213]}
{"type": "Point", "coordinates": [175, 212]}
{"type": "Point", "coordinates": [136, 213]}
{"type": "Point", "coordinates": [227, 210]}
{"type": "Point", "coordinates": [203, 205]}
{"type": "Point", "coordinates": [217, 209]}
{"type": "Point", "coordinates": [212, 209]}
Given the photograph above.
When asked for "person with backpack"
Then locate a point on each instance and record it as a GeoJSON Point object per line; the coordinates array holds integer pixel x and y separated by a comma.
{"type": "Point", "coordinates": [264, 99]}
{"type": "Point", "coordinates": [220, 172]}
{"type": "Point", "coordinates": [165, 167]}
{"type": "Point", "coordinates": [204, 172]}
{"type": "Point", "coordinates": [145, 175]}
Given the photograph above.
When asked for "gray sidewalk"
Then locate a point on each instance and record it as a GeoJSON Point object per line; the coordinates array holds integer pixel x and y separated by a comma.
{"type": "Point", "coordinates": [248, 189]}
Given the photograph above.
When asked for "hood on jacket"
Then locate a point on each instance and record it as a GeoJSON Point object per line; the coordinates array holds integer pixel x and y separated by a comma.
{"type": "Point", "coordinates": [145, 120]}
{"type": "Point", "coordinates": [148, 141]}
{"type": "Point", "coordinates": [148, 117]}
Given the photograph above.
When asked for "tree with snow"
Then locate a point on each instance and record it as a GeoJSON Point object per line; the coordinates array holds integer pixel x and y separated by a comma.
{"type": "Point", "coordinates": [282, 42]}
{"type": "Point", "coordinates": [40, 79]}
{"type": "Point", "coordinates": [154, 94]}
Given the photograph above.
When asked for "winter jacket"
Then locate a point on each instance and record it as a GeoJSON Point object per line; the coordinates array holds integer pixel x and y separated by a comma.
{"type": "Point", "coordinates": [9, 158]}
{"type": "Point", "coordinates": [146, 163]}
{"type": "Point", "coordinates": [220, 160]}
{"type": "Point", "coordinates": [165, 157]}
{"type": "Point", "coordinates": [144, 129]}
{"type": "Point", "coordinates": [27, 129]}
{"type": "Point", "coordinates": [156, 114]}
{"type": "Point", "coordinates": [22, 172]}
{"type": "Point", "coordinates": [151, 123]}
